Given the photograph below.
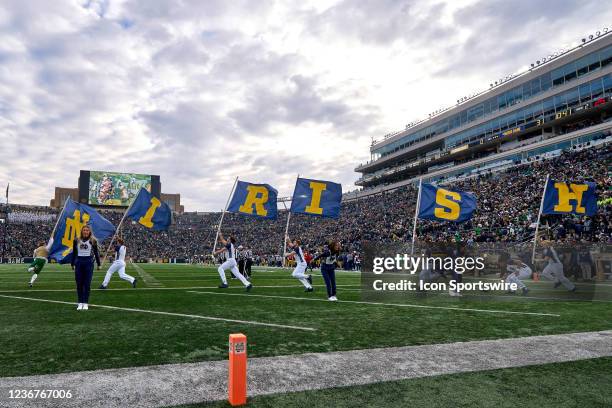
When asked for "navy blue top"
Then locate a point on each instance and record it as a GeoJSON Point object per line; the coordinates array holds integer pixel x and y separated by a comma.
{"type": "Point", "coordinates": [94, 250]}
{"type": "Point", "coordinates": [230, 250]}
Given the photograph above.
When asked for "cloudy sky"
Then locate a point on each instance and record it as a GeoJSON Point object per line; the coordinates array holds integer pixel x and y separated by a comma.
{"type": "Point", "coordinates": [201, 91]}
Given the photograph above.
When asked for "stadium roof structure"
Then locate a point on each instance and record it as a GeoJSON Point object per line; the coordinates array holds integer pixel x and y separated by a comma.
{"type": "Point", "coordinates": [541, 103]}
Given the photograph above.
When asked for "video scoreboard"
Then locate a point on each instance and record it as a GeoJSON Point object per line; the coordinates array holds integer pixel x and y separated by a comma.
{"type": "Point", "coordinates": [112, 189]}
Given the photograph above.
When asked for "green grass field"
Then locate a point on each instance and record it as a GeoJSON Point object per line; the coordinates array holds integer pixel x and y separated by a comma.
{"type": "Point", "coordinates": [564, 385]}
{"type": "Point", "coordinates": [177, 315]}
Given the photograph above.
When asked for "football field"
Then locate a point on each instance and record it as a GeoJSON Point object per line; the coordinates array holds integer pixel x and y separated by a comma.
{"type": "Point", "coordinates": [178, 315]}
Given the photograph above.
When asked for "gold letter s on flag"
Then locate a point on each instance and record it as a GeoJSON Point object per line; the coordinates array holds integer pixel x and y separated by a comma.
{"type": "Point", "coordinates": [451, 209]}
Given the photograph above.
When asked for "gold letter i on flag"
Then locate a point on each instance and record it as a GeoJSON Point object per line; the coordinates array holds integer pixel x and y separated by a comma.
{"type": "Point", "coordinates": [147, 219]}
{"type": "Point", "coordinates": [315, 203]}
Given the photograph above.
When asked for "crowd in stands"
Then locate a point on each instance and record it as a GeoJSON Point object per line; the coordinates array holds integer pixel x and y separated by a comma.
{"type": "Point", "coordinates": [508, 204]}
{"type": "Point", "coordinates": [30, 217]}
{"type": "Point", "coordinates": [574, 126]}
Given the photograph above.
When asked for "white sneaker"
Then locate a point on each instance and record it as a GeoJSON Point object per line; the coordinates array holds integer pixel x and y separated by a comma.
{"type": "Point", "coordinates": [85, 306]}
{"type": "Point", "coordinates": [80, 306]}
{"type": "Point", "coordinates": [332, 299]}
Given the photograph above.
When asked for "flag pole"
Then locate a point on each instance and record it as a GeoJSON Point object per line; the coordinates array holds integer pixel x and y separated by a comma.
{"type": "Point", "coordinates": [119, 227]}
{"type": "Point", "coordinates": [59, 217]}
{"type": "Point", "coordinates": [286, 235]}
{"type": "Point", "coordinates": [287, 229]}
{"type": "Point", "coordinates": [222, 216]}
{"type": "Point", "coordinates": [284, 243]}
{"type": "Point", "coordinates": [535, 237]}
{"type": "Point", "coordinates": [416, 215]}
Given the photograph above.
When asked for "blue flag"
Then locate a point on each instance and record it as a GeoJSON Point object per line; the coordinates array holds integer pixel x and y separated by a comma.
{"type": "Point", "coordinates": [258, 200]}
{"type": "Point", "coordinates": [316, 197]}
{"type": "Point", "coordinates": [150, 211]}
{"type": "Point", "coordinates": [73, 217]}
{"type": "Point", "coordinates": [570, 198]}
{"type": "Point", "coordinates": [442, 204]}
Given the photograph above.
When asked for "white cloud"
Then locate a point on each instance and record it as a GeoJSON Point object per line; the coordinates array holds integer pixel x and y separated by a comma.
{"type": "Point", "coordinates": [200, 92]}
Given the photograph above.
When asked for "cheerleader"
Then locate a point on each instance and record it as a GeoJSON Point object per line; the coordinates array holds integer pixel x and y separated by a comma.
{"type": "Point", "coordinates": [300, 267]}
{"type": "Point", "coordinates": [329, 261]}
{"type": "Point", "coordinates": [230, 250]}
{"type": "Point", "coordinates": [554, 268]}
{"type": "Point", "coordinates": [118, 266]}
{"type": "Point", "coordinates": [84, 251]}
{"type": "Point", "coordinates": [517, 272]}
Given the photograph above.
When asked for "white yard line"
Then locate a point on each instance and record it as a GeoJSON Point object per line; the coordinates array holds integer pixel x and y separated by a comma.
{"type": "Point", "coordinates": [517, 297]}
{"type": "Point", "coordinates": [25, 282]}
{"type": "Point", "coordinates": [410, 305]}
{"type": "Point", "coordinates": [177, 384]}
{"type": "Point", "coordinates": [542, 281]}
{"type": "Point", "coordinates": [148, 279]}
{"type": "Point", "coordinates": [216, 278]}
{"type": "Point", "coordinates": [30, 290]}
{"type": "Point", "coordinates": [128, 309]}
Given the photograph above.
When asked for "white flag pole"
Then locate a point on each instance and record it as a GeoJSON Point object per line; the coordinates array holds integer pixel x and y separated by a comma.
{"type": "Point", "coordinates": [119, 227]}
{"type": "Point", "coordinates": [287, 228]}
{"type": "Point", "coordinates": [285, 238]}
{"type": "Point", "coordinates": [59, 217]}
{"type": "Point", "coordinates": [284, 245]}
{"type": "Point", "coordinates": [535, 237]}
{"type": "Point", "coordinates": [222, 216]}
{"type": "Point", "coordinates": [416, 216]}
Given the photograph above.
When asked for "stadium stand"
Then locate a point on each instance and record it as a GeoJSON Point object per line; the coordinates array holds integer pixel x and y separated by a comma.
{"type": "Point", "coordinates": [508, 202]}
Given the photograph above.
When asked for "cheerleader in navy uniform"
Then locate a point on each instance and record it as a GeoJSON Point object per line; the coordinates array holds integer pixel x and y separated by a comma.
{"type": "Point", "coordinates": [329, 261]}
{"type": "Point", "coordinates": [84, 251]}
